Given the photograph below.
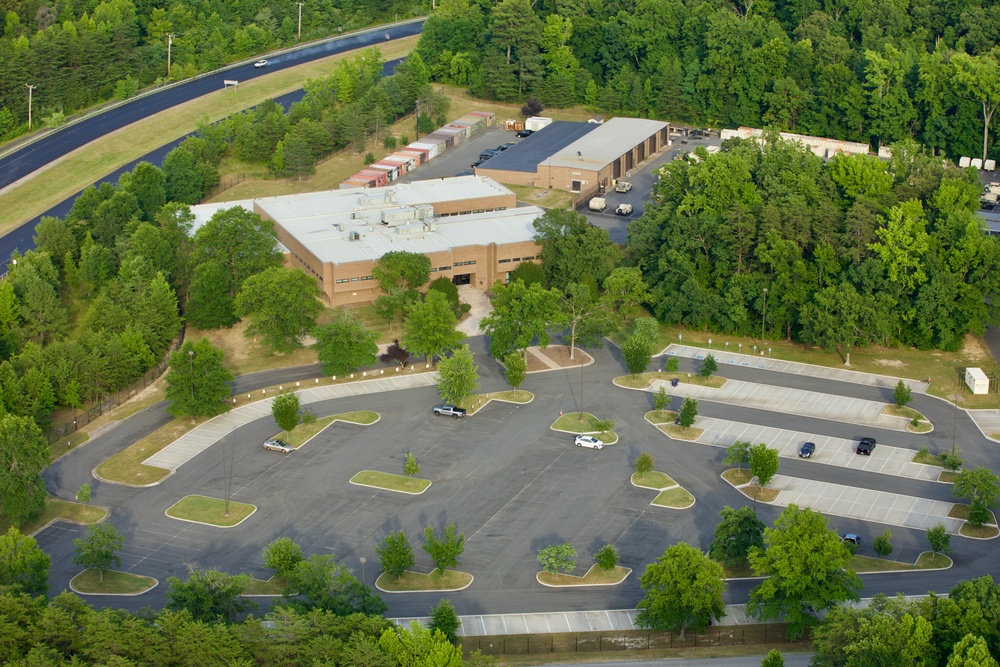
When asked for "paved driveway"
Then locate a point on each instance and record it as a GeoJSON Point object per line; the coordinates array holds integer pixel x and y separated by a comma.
{"type": "Point", "coordinates": [885, 460]}
{"type": "Point", "coordinates": [864, 504]}
{"type": "Point", "coordinates": [790, 401]}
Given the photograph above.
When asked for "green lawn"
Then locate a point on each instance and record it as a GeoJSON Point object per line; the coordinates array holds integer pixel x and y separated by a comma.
{"type": "Point", "coordinates": [926, 458]}
{"type": "Point", "coordinates": [657, 417]}
{"type": "Point", "coordinates": [451, 580]}
{"type": "Point", "coordinates": [203, 509]}
{"type": "Point", "coordinates": [59, 509]}
{"type": "Point", "coordinates": [63, 446]}
{"type": "Point", "coordinates": [114, 583]}
{"type": "Point", "coordinates": [390, 482]}
{"type": "Point", "coordinates": [925, 561]}
{"type": "Point", "coordinates": [595, 577]}
{"type": "Point", "coordinates": [571, 422]}
{"type": "Point", "coordinates": [273, 586]}
{"type": "Point", "coordinates": [548, 198]}
{"type": "Point", "coordinates": [476, 402]}
{"type": "Point", "coordinates": [126, 466]}
{"type": "Point", "coordinates": [678, 432]}
{"type": "Point", "coordinates": [677, 498]}
{"type": "Point", "coordinates": [737, 476]}
{"type": "Point", "coordinates": [652, 480]}
{"type": "Point", "coordinates": [644, 380]}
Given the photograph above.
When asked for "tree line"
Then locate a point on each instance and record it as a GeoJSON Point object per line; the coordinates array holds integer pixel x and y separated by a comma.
{"type": "Point", "coordinates": [78, 53]}
{"type": "Point", "coordinates": [773, 240]}
{"type": "Point", "coordinates": [861, 72]}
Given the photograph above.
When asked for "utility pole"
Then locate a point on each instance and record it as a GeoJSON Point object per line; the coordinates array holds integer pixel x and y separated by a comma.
{"type": "Point", "coordinates": [763, 315]}
{"type": "Point", "coordinates": [417, 114]}
{"type": "Point", "coordinates": [30, 88]}
{"type": "Point", "coordinates": [299, 38]}
{"type": "Point", "coordinates": [170, 42]}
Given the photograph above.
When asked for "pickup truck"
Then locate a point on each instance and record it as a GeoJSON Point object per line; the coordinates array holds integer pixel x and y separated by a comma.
{"type": "Point", "coordinates": [449, 409]}
{"type": "Point", "coordinates": [623, 186]}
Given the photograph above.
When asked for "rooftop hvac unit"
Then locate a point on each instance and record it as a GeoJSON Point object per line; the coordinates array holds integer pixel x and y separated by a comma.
{"type": "Point", "coordinates": [395, 216]}
{"type": "Point", "coordinates": [354, 236]}
{"type": "Point", "coordinates": [430, 226]}
{"type": "Point", "coordinates": [424, 211]}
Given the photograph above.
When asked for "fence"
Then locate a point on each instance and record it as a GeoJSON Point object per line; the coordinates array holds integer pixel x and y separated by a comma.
{"type": "Point", "coordinates": [621, 640]}
{"type": "Point", "coordinates": [585, 196]}
{"type": "Point", "coordinates": [83, 417]}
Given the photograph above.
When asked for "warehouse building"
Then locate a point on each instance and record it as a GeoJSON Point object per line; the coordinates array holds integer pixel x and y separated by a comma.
{"type": "Point", "coordinates": [468, 226]}
{"type": "Point", "coordinates": [578, 157]}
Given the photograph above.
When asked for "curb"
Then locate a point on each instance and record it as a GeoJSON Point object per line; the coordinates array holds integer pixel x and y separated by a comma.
{"type": "Point", "coordinates": [156, 582]}
{"type": "Point", "coordinates": [616, 583]}
{"type": "Point", "coordinates": [383, 488]}
{"type": "Point", "coordinates": [428, 590]}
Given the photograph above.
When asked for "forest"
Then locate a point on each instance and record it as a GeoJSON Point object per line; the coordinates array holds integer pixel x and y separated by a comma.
{"type": "Point", "coordinates": [875, 72]}
{"type": "Point", "coordinates": [78, 53]}
{"type": "Point", "coordinates": [772, 239]}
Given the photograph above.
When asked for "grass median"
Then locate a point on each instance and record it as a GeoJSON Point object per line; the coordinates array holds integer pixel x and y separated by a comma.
{"type": "Point", "coordinates": [303, 433]}
{"type": "Point", "coordinates": [126, 466]}
{"type": "Point", "coordinates": [653, 480]}
{"type": "Point", "coordinates": [477, 402]}
{"type": "Point", "coordinates": [645, 380]}
{"type": "Point", "coordinates": [59, 509]}
{"type": "Point", "coordinates": [595, 576]}
{"type": "Point", "coordinates": [414, 582]}
{"type": "Point", "coordinates": [676, 498]}
{"type": "Point", "coordinates": [390, 482]}
{"type": "Point", "coordinates": [112, 583]}
{"type": "Point", "coordinates": [212, 511]}
{"type": "Point", "coordinates": [583, 423]}
{"type": "Point", "coordinates": [984, 532]}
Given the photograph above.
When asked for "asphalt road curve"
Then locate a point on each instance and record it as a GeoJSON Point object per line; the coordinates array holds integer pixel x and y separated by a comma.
{"type": "Point", "coordinates": [46, 150]}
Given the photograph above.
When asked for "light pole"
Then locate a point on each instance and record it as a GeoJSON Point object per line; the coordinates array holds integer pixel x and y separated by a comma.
{"type": "Point", "coordinates": [225, 479]}
{"type": "Point", "coordinates": [191, 359]}
{"type": "Point", "coordinates": [170, 43]}
{"type": "Point", "coordinates": [30, 89]}
{"type": "Point", "coordinates": [299, 37]}
{"type": "Point", "coordinates": [581, 392]}
{"type": "Point", "coordinates": [763, 315]}
{"type": "Point", "coordinates": [363, 561]}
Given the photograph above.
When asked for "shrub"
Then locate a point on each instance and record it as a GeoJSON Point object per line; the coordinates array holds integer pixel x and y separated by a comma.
{"type": "Point", "coordinates": [661, 400]}
{"type": "Point", "coordinates": [404, 139]}
{"type": "Point", "coordinates": [369, 157]}
{"type": "Point", "coordinates": [643, 463]}
{"type": "Point", "coordinates": [607, 557]}
{"type": "Point", "coordinates": [282, 555]}
{"type": "Point", "coordinates": [390, 143]}
{"type": "Point", "coordinates": [395, 354]}
{"type": "Point", "coordinates": [672, 365]}
{"type": "Point", "coordinates": [448, 288]}
{"type": "Point", "coordinates": [883, 544]}
{"type": "Point", "coordinates": [465, 307]}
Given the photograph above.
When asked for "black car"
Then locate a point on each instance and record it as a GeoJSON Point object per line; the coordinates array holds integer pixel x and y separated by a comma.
{"type": "Point", "coordinates": [488, 153]}
{"type": "Point", "coordinates": [524, 133]}
{"type": "Point", "coordinates": [503, 147]}
{"type": "Point", "coordinates": [865, 447]}
{"type": "Point", "coordinates": [806, 450]}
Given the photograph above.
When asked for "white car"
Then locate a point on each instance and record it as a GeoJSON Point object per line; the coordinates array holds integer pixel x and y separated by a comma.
{"type": "Point", "coordinates": [276, 445]}
{"type": "Point", "coordinates": [588, 441]}
{"type": "Point", "coordinates": [260, 64]}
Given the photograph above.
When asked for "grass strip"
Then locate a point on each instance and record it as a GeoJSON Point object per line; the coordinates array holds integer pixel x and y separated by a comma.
{"type": "Point", "coordinates": [114, 583]}
{"type": "Point", "coordinates": [948, 476]}
{"type": "Point", "coordinates": [737, 476]}
{"type": "Point", "coordinates": [925, 561]}
{"type": "Point", "coordinates": [126, 466]}
{"type": "Point", "coordinates": [274, 586]}
{"type": "Point", "coordinates": [410, 582]}
{"type": "Point", "coordinates": [595, 576]}
{"type": "Point", "coordinates": [901, 411]}
{"type": "Point", "coordinates": [59, 509]}
{"type": "Point", "coordinates": [926, 458]}
{"type": "Point", "coordinates": [678, 432]}
{"type": "Point", "coordinates": [63, 446]}
{"type": "Point", "coordinates": [676, 498]}
{"type": "Point", "coordinates": [658, 417]}
{"type": "Point", "coordinates": [476, 402]}
{"type": "Point", "coordinates": [652, 480]}
{"type": "Point", "coordinates": [645, 380]}
{"type": "Point", "coordinates": [391, 482]}
{"type": "Point", "coordinates": [583, 423]}
{"type": "Point", "coordinates": [203, 509]}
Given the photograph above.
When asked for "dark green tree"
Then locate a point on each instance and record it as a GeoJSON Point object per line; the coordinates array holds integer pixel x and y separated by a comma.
{"type": "Point", "coordinates": [320, 582]}
{"type": "Point", "coordinates": [444, 549]}
{"type": "Point", "coordinates": [773, 659]}
{"type": "Point", "coordinates": [282, 555]}
{"type": "Point", "coordinates": [209, 595]}
{"type": "Point", "coordinates": [572, 247]}
{"type": "Point", "coordinates": [429, 328]}
{"type": "Point", "coordinates": [606, 557]}
{"type": "Point", "coordinates": [197, 381]}
{"type": "Point", "coordinates": [643, 463]}
{"type": "Point", "coordinates": [183, 179]}
{"type": "Point", "coordinates": [410, 465]}
{"type": "Point", "coordinates": [708, 366]}
{"type": "Point", "coordinates": [689, 412]}
{"type": "Point", "coordinates": [99, 549]}
{"type": "Point", "coordinates": [395, 554]}
{"type": "Point", "coordinates": [344, 345]}
{"type": "Point", "coordinates": [556, 557]}
{"type": "Point", "coordinates": [683, 590]}
{"type": "Point", "coordinates": [444, 619]}
{"type": "Point", "coordinates": [637, 352]}
{"type": "Point", "coordinates": [738, 454]}
{"type": "Point", "coordinates": [981, 487]}
{"type": "Point", "coordinates": [23, 565]}
{"type": "Point", "coordinates": [515, 369]}
{"type": "Point", "coordinates": [458, 376]}
{"type": "Point", "coordinates": [24, 454]}
{"type": "Point", "coordinates": [764, 463]}
{"type": "Point", "coordinates": [280, 305]}
{"type": "Point", "coordinates": [285, 410]}
{"type": "Point", "coordinates": [242, 243]}
{"type": "Point", "coordinates": [209, 304]}
{"type": "Point", "coordinates": [883, 544]}
{"type": "Point", "coordinates": [521, 315]}
{"type": "Point", "coordinates": [901, 394]}
{"type": "Point", "coordinates": [939, 539]}
{"type": "Point", "coordinates": [738, 531]}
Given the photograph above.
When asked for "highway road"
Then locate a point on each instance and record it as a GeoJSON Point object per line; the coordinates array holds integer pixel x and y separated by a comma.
{"type": "Point", "coordinates": [50, 148]}
{"type": "Point", "coordinates": [511, 485]}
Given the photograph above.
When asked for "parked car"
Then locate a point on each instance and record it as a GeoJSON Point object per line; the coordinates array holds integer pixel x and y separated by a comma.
{"type": "Point", "coordinates": [865, 447]}
{"type": "Point", "coordinates": [488, 153]}
{"type": "Point", "coordinates": [260, 64]}
{"type": "Point", "coordinates": [588, 441]}
{"type": "Point", "coordinates": [477, 163]}
{"type": "Point", "coordinates": [503, 147]}
{"type": "Point", "coordinates": [449, 409]}
{"type": "Point", "coordinates": [852, 538]}
{"type": "Point", "coordinates": [524, 133]}
{"type": "Point", "coordinates": [806, 450]}
{"type": "Point", "coordinates": [624, 209]}
{"type": "Point", "coordinates": [276, 445]}
{"type": "Point", "coordinates": [623, 186]}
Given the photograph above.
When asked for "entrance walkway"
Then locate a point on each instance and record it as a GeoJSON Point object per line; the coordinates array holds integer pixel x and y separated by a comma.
{"type": "Point", "coordinates": [197, 440]}
{"type": "Point", "coordinates": [790, 401]}
{"type": "Point", "coordinates": [884, 460]}
{"type": "Point", "coordinates": [481, 307]}
{"type": "Point", "coordinates": [766, 363]}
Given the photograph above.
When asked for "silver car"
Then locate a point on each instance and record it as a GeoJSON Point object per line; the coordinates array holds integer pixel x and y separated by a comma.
{"type": "Point", "coordinates": [276, 445]}
{"type": "Point", "coordinates": [588, 441]}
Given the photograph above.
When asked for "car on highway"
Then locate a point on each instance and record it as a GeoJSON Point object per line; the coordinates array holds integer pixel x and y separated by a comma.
{"type": "Point", "coordinates": [865, 447]}
{"type": "Point", "coordinates": [524, 133]}
{"type": "Point", "coordinates": [277, 445]}
{"type": "Point", "coordinates": [260, 64]}
{"type": "Point", "coordinates": [448, 409]}
{"type": "Point", "coordinates": [806, 450]}
{"type": "Point", "coordinates": [588, 441]}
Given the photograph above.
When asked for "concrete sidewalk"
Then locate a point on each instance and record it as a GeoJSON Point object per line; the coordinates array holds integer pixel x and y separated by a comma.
{"type": "Point", "coordinates": [789, 401]}
{"type": "Point", "coordinates": [202, 437]}
{"type": "Point", "coordinates": [864, 504]}
{"type": "Point", "coordinates": [724, 357]}
{"type": "Point", "coordinates": [884, 460]}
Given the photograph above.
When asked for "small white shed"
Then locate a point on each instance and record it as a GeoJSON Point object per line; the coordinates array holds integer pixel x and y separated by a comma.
{"type": "Point", "coordinates": [537, 122]}
{"type": "Point", "coordinates": [977, 381]}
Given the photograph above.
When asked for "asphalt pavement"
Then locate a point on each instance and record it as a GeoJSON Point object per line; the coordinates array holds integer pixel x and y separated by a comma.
{"type": "Point", "coordinates": [510, 484]}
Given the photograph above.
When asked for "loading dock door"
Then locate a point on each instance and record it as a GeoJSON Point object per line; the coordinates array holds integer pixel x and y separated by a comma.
{"type": "Point", "coordinates": [462, 279]}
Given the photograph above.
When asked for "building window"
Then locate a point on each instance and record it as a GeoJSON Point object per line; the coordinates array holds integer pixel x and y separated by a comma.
{"type": "Point", "coordinates": [445, 268]}
{"type": "Point", "coordinates": [489, 210]}
{"type": "Point", "coordinates": [472, 262]}
{"type": "Point", "coordinates": [369, 277]}
{"type": "Point", "coordinates": [478, 211]}
{"type": "Point", "coordinates": [505, 261]}
{"type": "Point", "coordinates": [354, 280]}
{"type": "Point", "coordinates": [433, 269]}
{"type": "Point", "coordinates": [341, 280]}
{"type": "Point", "coordinates": [527, 258]}
{"type": "Point", "coordinates": [516, 259]}
{"type": "Point", "coordinates": [501, 208]}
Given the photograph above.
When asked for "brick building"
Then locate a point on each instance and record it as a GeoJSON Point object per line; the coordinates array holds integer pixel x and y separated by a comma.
{"type": "Point", "coordinates": [468, 226]}
{"type": "Point", "coordinates": [578, 156]}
